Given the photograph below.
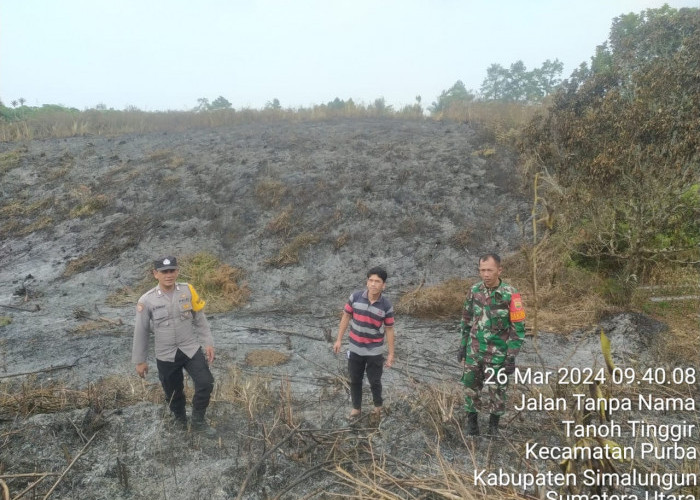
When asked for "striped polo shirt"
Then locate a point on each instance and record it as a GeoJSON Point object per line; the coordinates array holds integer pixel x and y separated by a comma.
{"type": "Point", "coordinates": [367, 323]}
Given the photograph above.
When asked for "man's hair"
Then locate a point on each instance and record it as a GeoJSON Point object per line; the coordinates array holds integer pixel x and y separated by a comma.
{"type": "Point", "coordinates": [379, 271]}
{"type": "Point", "coordinates": [487, 256]}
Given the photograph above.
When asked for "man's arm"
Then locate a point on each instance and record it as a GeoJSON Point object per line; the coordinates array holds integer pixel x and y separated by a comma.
{"type": "Point", "coordinates": [139, 349]}
{"type": "Point", "coordinates": [203, 332]}
{"type": "Point", "coordinates": [344, 322]}
{"type": "Point", "coordinates": [389, 334]}
{"type": "Point", "coordinates": [516, 332]}
{"type": "Point", "coordinates": [201, 325]}
{"type": "Point", "coordinates": [465, 325]}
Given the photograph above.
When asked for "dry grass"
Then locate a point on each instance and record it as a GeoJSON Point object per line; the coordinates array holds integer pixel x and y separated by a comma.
{"type": "Point", "coordinates": [220, 285]}
{"type": "Point", "coordinates": [166, 158]}
{"type": "Point", "coordinates": [566, 294]}
{"type": "Point", "coordinates": [87, 202]}
{"type": "Point", "coordinates": [461, 240]}
{"type": "Point", "coordinates": [90, 206]}
{"type": "Point", "coordinates": [379, 479]}
{"type": "Point", "coordinates": [502, 120]}
{"type": "Point", "coordinates": [252, 393]}
{"type": "Point", "coordinates": [672, 295]}
{"type": "Point", "coordinates": [110, 123]}
{"type": "Point", "coordinates": [31, 397]}
{"type": "Point", "coordinates": [362, 208]}
{"type": "Point", "coordinates": [22, 208]}
{"type": "Point", "coordinates": [443, 300]}
{"type": "Point", "coordinates": [22, 217]}
{"type": "Point", "coordinates": [437, 406]}
{"type": "Point", "coordinates": [37, 225]}
{"type": "Point", "coordinates": [341, 241]}
{"type": "Point", "coordinates": [283, 223]}
{"type": "Point", "coordinates": [266, 357]}
{"type": "Point", "coordinates": [270, 192]}
{"type": "Point", "coordinates": [9, 161]}
{"type": "Point", "coordinates": [289, 254]}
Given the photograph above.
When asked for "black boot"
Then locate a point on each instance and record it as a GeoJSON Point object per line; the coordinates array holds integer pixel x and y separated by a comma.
{"type": "Point", "coordinates": [493, 424]}
{"type": "Point", "coordinates": [179, 416]}
{"type": "Point", "coordinates": [200, 424]}
{"type": "Point", "coordinates": [472, 424]}
{"type": "Point", "coordinates": [180, 421]}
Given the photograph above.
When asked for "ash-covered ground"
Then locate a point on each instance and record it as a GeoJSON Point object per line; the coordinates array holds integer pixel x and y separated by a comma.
{"type": "Point", "coordinates": [421, 198]}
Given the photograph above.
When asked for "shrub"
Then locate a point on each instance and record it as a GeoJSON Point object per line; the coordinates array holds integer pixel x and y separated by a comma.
{"type": "Point", "coordinates": [220, 285]}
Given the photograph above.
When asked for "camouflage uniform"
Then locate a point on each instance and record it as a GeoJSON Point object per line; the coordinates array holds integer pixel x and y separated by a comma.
{"type": "Point", "coordinates": [493, 329]}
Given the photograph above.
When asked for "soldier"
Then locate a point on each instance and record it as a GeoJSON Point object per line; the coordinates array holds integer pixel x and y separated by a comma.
{"type": "Point", "coordinates": [173, 312]}
{"type": "Point", "coordinates": [371, 319]}
{"type": "Point", "coordinates": [493, 329]}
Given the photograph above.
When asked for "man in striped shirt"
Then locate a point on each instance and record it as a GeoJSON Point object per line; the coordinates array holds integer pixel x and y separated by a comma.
{"type": "Point", "coordinates": [371, 319]}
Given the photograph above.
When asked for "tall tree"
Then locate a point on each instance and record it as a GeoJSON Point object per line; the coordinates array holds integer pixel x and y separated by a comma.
{"type": "Point", "coordinates": [518, 84]}
{"type": "Point", "coordinates": [220, 103]}
{"type": "Point", "coordinates": [455, 95]}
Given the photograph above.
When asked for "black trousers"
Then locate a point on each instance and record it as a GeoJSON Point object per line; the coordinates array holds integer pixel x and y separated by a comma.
{"type": "Point", "coordinates": [374, 367]}
{"type": "Point", "coordinates": [172, 380]}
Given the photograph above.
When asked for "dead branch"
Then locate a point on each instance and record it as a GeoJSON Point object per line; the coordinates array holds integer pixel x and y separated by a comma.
{"type": "Point", "coordinates": [5, 490]}
{"type": "Point", "coordinates": [60, 478]}
{"type": "Point", "coordinates": [28, 474]}
{"type": "Point", "coordinates": [43, 370]}
{"type": "Point", "coordinates": [33, 485]}
{"type": "Point", "coordinates": [257, 465]}
{"type": "Point", "coordinates": [285, 332]}
{"type": "Point", "coordinates": [23, 309]}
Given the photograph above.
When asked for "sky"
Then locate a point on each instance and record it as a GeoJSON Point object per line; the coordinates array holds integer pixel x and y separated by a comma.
{"type": "Point", "coordinates": [162, 55]}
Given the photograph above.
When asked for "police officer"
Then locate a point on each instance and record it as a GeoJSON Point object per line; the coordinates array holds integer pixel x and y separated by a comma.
{"type": "Point", "coordinates": [493, 329]}
{"type": "Point", "coordinates": [174, 313]}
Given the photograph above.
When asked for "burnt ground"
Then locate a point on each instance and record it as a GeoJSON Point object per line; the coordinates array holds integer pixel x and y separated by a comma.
{"type": "Point", "coordinates": [83, 217]}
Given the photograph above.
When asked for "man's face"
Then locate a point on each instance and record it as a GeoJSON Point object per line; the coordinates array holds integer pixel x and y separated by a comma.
{"type": "Point", "coordinates": [490, 272]}
{"type": "Point", "coordinates": [166, 279]}
{"type": "Point", "coordinates": [375, 285]}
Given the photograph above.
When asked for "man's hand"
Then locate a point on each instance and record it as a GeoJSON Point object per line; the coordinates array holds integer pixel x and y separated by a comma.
{"type": "Point", "coordinates": [509, 366]}
{"type": "Point", "coordinates": [209, 353]}
{"type": "Point", "coordinates": [142, 369]}
{"type": "Point", "coordinates": [461, 353]}
{"type": "Point", "coordinates": [389, 360]}
{"type": "Point", "coordinates": [336, 347]}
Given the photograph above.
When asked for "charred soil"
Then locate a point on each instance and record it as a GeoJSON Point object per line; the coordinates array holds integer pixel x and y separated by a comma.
{"type": "Point", "coordinates": [303, 210]}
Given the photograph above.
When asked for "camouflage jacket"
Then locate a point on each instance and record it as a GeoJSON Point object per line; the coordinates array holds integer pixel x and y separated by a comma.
{"type": "Point", "coordinates": [493, 323]}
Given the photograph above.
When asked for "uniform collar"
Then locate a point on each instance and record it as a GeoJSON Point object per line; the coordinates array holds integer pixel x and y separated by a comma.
{"type": "Point", "coordinates": [161, 292]}
{"type": "Point", "coordinates": [489, 290]}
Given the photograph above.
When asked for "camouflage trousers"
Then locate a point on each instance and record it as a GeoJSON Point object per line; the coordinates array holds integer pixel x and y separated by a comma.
{"type": "Point", "coordinates": [482, 390]}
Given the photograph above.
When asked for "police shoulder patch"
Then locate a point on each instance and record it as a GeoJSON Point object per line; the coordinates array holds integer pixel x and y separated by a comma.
{"type": "Point", "coordinates": [139, 307]}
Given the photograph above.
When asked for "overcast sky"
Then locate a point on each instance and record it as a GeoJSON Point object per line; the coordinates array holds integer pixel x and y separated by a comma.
{"type": "Point", "coordinates": [165, 54]}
